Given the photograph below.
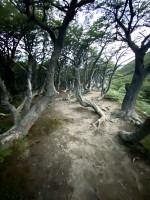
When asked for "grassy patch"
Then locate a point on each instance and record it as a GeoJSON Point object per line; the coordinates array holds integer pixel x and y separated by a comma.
{"type": "Point", "coordinates": [143, 107]}
{"type": "Point", "coordinates": [4, 153]}
{"type": "Point", "coordinates": [146, 145]}
{"type": "Point", "coordinates": [20, 145]}
{"type": "Point", "coordinates": [14, 174]}
{"type": "Point", "coordinates": [113, 95]}
{"type": "Point", "coordinates": [46, 125]}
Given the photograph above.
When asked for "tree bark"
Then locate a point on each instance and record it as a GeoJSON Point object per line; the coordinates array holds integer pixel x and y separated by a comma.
{"type": "Point", "coordinates": [137, 135]}
{"type": "Point", "coordinates": [14, 111]}
{"type": "Point", "coordinates": [34, 113]}
{"type": "Point", "coordinates": [88, 103]}
{"type": "Point", "coordinates": [29, 119]}
{"type": "Point", "coordinates": [132, 89]}
{"type": "Point", "coordinates": [25, 124]}
{"type": "Point", "coordinates": [29, 83]}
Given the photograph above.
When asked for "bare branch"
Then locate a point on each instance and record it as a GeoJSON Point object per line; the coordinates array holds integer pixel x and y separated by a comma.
{"type": "Point", "coordinates": [83, 2]}
{"type": "Point", "coordinates": [144, 40]}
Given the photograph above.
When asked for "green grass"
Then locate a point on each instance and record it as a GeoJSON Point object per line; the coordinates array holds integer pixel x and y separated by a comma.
{"type": "Point", "coordinates": [130, 66]}
{"type": "Point", "coordinates": [4, 153]}
{"type": "Point", "coordinates": [146, 145]}
{"type": "Point", "coordinates": [46, 125]}
{"type": "Point", "coordinates": [113, 95]}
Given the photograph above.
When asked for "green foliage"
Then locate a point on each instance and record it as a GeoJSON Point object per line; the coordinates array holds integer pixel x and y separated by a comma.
{"type": "Point", "coordinates": [146, 145]}
{"type": "Point", "coordinates": [118, 84]}
{"type": "Point", "coordinates": [4, 153]}
{"type": "Point", "coordinates": [143, 107]}
{"type": "Point", "coordinates": [113, 95]}
{"type": "Point", "coordinates": [130, 66]}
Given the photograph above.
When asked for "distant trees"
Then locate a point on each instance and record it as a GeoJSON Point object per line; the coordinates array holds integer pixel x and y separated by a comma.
{"type": "Point", "coordinates": [11, 32]}
{"type": "Point", "coordinates": [130, 22]}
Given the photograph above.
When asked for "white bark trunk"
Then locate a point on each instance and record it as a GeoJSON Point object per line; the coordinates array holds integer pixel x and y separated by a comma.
{"type": "Point", "coordinates": [26, 123]}
{"type": "Point", "coordinates": [87, 103]}
{"type": "Point", "coordinates": [14, 111]}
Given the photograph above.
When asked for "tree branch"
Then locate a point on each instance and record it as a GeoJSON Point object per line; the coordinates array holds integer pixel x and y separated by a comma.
{"type": "Point", "coordinates": [144, 40]}
{"type": "Point", "coordinates": [83, 2]}
{"type": "Point", "coordinates": [132, 14]}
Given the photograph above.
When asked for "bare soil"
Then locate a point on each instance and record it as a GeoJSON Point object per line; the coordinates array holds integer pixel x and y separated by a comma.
{"type": "Point", "coordinates": [75, 161]}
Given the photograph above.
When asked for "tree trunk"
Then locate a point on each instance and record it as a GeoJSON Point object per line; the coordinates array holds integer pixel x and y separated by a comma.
{"type": "Point", "coordinates": [14, 111]}
{"type": "Point", "coordinates": [138, 135]}
{"type": "Point", "coordinates": [132, 89]}
{"type": "Point", "coordinates": [87, 103]}
{"type": "Point", "coordinates": [25, 124]}
{"type": "Point", "coordinates": [29, 83]}
{"type": "Point", "coordinates": [34, 113]}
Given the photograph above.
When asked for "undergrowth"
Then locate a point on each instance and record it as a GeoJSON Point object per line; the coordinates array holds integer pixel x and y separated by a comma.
{"type": "Point", "coordinates": [143, 108]}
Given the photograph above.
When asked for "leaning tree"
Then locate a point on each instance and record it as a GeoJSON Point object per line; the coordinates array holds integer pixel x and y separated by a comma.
{"type": "Point", "coordinates": [130, 24]}
{"type": "Point", "coordinates": [43, 13]}
{"type": "Point", "coordinates": [138, 135]}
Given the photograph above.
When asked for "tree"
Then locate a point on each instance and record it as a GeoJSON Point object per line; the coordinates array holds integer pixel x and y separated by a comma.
{"type": "Point", "coordinates": [129, 19]}
{"type": "Point", "coordinates": [38, 11]}
{"type": "Point", "coordinates": [11, 32]}
{"type": "Point", "coordinates": [109, 67]}
{"type": "Point", "coordinates": [138, 135]}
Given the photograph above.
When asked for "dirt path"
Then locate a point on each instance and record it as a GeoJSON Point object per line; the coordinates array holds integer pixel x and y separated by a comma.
{"type": "Point", "coordinates": [76, 162]}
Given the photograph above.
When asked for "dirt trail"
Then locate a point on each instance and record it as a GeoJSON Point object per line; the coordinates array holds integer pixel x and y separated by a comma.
{"type": "Point", "coordinates": [77, 162]}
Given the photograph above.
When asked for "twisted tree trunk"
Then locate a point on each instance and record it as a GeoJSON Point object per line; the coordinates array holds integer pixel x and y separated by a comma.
{"type": "Point", "coordinates": [24, 125]}
{"type": "Point", "coordinates": [88, 103]}
{"type": "Point", "coordinates": [137, 135]}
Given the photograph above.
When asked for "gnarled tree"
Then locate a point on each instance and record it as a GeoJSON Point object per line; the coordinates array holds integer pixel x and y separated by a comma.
{"type": "Point", "coordinates": [138, 135]}
{"type": "Point", "coordinates": [38, 11]}
{"type": "Point", "coordinates": [130, 22]}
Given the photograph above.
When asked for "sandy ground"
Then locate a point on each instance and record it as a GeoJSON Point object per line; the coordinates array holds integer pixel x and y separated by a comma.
{"type": "Point", "coordinates": [77, 162]}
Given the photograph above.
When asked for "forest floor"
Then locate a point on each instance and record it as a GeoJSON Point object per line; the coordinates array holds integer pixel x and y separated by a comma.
{"type": "Point", "coordinates": [75, 161]}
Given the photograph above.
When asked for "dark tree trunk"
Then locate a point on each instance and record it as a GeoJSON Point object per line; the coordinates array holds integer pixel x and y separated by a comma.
{"type": "Point", "coordinates": [9, 77]}
{"type": "Point", "coordinates": [132, 89]}
{"type": "Point", "coordinates": [138, 135]}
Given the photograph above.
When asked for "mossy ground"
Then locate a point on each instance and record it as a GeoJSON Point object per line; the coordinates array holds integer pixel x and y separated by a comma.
{"type": "Point", "coordinates": [46, 125]}
{"type": "Point", "coordinates": [14, 179]}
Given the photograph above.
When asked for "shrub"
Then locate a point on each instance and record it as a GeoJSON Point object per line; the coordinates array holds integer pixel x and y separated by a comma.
{"type": "Point", "coordinates": [113, 95]}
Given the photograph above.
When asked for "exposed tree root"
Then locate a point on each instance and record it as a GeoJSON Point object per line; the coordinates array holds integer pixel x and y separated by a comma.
{"type": "Point", "coordinates": [4, 115]}
{"type": "Point", "coordinates": [136, 136]}
{"type": "Point", "coordinates": [88, 103]}
{"type": "Point", "coordinates": [134, 118]}
{"type": "Point", "coordinates": [99, 122]}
